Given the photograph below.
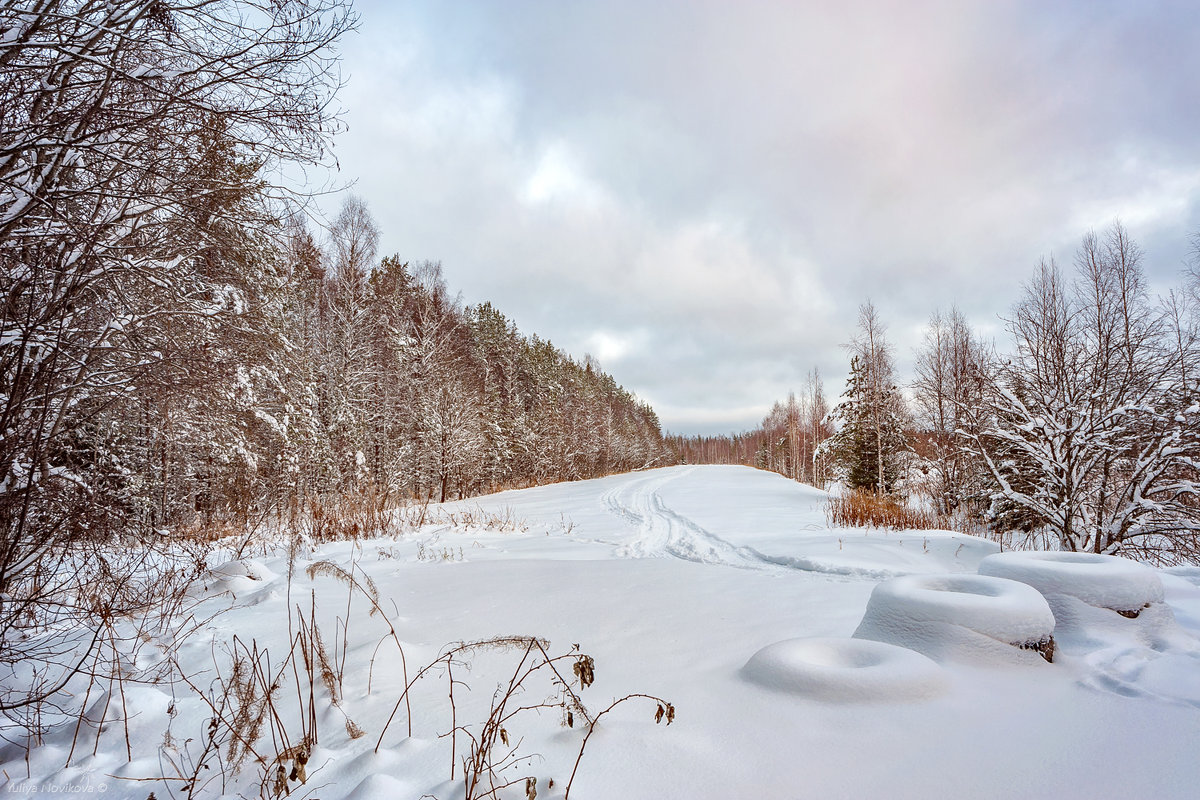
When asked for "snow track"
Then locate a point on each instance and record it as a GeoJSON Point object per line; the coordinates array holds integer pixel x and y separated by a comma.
{"type": "Point", "coordinates": [663, 532]}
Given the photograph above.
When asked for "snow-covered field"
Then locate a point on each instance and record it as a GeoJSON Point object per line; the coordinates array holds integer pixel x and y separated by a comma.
{"type": "Point", "coordinates": [673, 580]}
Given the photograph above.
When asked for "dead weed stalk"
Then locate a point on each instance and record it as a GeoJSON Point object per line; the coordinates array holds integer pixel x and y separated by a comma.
{"type": "Point", "coordinates": [864, 509]}
{"type": "Point", "coordinates": [538, 682]}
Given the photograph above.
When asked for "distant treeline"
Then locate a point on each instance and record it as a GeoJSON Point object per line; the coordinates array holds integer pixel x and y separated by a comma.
{"type": "Point", "coordinates": [787, 441]}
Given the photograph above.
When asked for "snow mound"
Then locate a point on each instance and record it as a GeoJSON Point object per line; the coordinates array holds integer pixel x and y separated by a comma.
{"type": "Point", "coordinates": [966, 617]}
{"type": "Point", "coordinates": [238, 577]}
{"type": "Point", "coordinates": [1098, 580]}
{"type": "Point", "coordinates": [374, 786]}
{"type": "Point", "coordinates": [1086, 628]}
{"type": "Point", "coordinates": [845, 670]}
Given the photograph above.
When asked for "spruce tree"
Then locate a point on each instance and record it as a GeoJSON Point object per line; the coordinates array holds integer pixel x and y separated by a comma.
{"type": "Point", "coordinates": [868, 449]}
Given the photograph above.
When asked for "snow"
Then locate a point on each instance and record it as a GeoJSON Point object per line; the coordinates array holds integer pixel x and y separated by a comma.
{"type": "Point", "coordinates": [845, 670]}
{"type": "Point", "coordinates": [1098, 580]}
{"type": "Point", "coordinates": [967, 617]}
{"type": "Point", "coordinates": [720, 589]}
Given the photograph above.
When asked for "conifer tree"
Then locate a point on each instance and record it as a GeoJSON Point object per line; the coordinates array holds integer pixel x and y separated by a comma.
{"type": "Point", "coordinates": [868, 451]}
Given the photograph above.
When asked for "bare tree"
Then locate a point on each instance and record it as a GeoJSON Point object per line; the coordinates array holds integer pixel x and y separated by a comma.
{"type": "Point", "coordinates": [134, 140]}
{"type": "Point", "coordinates": [354, 240]}
{"type": "Point", "coordinates": [816, 426]}
{"type": "Point", "coordinates": [943, 388]}
{"type": "Point", "coordinates": [1090, 426]}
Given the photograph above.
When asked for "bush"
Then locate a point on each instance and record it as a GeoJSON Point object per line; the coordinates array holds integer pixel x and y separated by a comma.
{"type": "Point", "coordinates": [864, 509]}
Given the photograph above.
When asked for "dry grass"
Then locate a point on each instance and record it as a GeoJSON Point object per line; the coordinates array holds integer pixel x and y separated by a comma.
{"type": "Point", "coordinates": [363, 514]}
{"type": "Point", "coordinates": [862, 509]}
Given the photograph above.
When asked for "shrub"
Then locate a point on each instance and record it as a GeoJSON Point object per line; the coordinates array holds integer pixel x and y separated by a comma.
{"type": "Point", "coordinates": [863, 509]}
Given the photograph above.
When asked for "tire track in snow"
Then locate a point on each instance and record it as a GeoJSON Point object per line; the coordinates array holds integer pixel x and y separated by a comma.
{"type": "Point", "coordinates": [662, 532]}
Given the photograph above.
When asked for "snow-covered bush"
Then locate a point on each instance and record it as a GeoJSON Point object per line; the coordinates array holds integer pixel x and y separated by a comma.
{"type": "Point", "coordinates": [963, 617]}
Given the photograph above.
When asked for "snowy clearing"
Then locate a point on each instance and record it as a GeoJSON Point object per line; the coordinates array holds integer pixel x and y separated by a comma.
{"type": "Point", "coordinates": [720, 589]}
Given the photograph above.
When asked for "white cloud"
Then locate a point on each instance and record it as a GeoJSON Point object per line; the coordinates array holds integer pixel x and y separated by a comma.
{"type": "Point", "coordinates": [1144, 196]}
{"type": "Point", "coordinates": [612, 347]}
{"type": "Point", "coordinates": [558, 178]}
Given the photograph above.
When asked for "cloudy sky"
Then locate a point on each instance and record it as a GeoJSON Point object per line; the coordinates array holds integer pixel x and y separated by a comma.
{"type": "Point", "coordinates": [700, 194]}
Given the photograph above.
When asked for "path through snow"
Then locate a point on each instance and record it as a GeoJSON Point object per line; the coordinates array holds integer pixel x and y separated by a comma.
{"type": "Point", "coordinates": [661, 531]}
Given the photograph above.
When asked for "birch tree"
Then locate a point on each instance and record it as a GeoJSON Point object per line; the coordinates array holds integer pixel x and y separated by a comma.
{"type": "Point", "coordinates": [944, 388]}
{"type": "Point", "coordinates": [1091, 425]}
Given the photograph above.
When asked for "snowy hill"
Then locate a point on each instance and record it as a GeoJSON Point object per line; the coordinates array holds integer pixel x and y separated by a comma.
{"type": "Point", "coordinates": [672, 580]}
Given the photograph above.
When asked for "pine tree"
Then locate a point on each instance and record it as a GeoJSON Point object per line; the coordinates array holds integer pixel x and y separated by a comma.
{"type": "Point", "coordinates": [870, 447]}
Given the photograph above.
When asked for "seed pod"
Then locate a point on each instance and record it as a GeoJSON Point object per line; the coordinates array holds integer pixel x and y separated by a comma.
{"type": "Point", "coordinates": [585, 670]}
{"type": "Point", "coordinates": [658, 715]}
{"type": "Point", "coordinates": [531, 789]}
{"type": "Point", "coordinates": [504, 736]}
{"type": "Point", "coordinates": [299, 773]}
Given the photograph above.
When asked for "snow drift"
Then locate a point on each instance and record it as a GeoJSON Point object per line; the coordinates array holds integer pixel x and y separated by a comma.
{"type": "Point", "coordinates": [965, 617]}
{"type": "Point", "coordinates": [846, 670]}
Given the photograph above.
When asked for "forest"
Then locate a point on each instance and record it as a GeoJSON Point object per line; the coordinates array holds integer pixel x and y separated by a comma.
{"type": "Point", "coordinates": [178, 348]}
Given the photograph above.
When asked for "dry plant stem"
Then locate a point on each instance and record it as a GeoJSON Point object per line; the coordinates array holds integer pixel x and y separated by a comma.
{"type": "Point", "coordinates": [218, 714]}
{"type": "Point", "coordinates": [278, 729]}
{"type": "Point", "coordinates": [442, 661]}
{"type": "Point", "coordinates": [242, 722]}
{"type": "Point", "coordinates": [371, 593]}
{"type": "Point", "coordinates": [453, 718]}
{"type": "Point", "coordinates": [297, 641]}
{"type": "Point", "coordinates": [592, 729]}
{"type": "Point", "coordinates": [482, 769]}
{"type": "Point", "coordinates": [124, 719]}
{"type": "Point", "coordinates": [341, 667]}
{"type": "Point", "coordinates": [83, 711]}
{"type": "Point", "coordinates": [310, 661]}
{"type": "Point", "coordinates": [480, 761]}
{"type": "Point", "coordinates": [861, 508]}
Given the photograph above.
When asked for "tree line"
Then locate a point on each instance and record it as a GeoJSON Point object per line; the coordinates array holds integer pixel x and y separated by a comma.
{"type": "Point", "coordinates": [382, 377]}
{"type": "Point", "coordinates": [787, 441]}
{"type": "Point", "coordinates": [1085, 429]}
